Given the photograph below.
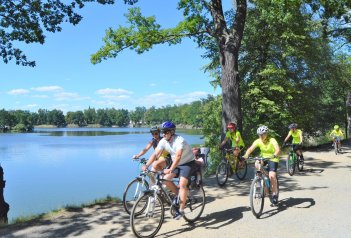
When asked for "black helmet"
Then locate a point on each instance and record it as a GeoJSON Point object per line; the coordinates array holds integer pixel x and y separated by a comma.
{"type": "Point", "coordinates": [154, 129]}
{"type": "Point", "coordinates": [293, 126]}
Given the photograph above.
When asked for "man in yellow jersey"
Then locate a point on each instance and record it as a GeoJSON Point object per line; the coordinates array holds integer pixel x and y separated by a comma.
{"type": "Point", "coordinates": [337, 135]}
{"type": "Point", "coordinates": [269, 149]}
{"type": "Point", "coordinates": [297, 138]}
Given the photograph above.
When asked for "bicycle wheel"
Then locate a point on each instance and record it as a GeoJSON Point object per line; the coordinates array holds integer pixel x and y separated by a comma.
{"type": "Point", "coordinates": [290, 164]}
{"type": "Point", "coordinates": [299, 164]}
{"type": "Point", "coordinates": [336, 148]}
{"type": "Point", "coordinates": [195, 204]}
{"type": "Point", "coordinates": [132, 192]}
{"type": "Point", "coordinates": [146, 222]}
{"type": "Point", "coordinates": [241, 169]}
{"type": "Point", "coordinates": [222, 173]}
{"type": "Point", "coordinates": [257, 196]}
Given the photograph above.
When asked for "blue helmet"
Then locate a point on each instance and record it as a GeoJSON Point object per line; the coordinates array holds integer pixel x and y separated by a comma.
{"type": "Point", "coordinates": [168, 125]}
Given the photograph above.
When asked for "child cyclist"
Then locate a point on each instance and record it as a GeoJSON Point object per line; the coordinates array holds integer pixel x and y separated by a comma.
{"type": "Point", "coordinates": [297, 138]}
{"type": "Point", "coordinates": [337, 135]}
{"type": "Point", "coordinates": [269, 149]}
{"type": "Point", "coordinates": [234, 136]}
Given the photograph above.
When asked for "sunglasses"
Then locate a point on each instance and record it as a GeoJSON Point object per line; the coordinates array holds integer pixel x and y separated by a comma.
{"type": "Point", "coordinates": [155, 133]}
{"type": "Point", "coordinates": [166, 132]}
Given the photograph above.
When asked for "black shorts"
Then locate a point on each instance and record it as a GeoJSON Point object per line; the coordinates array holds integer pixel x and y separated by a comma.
{"type": "Point", "coordinates": [272, 166]}
{"type": "Point", "coordinates": [297, 147]}
{"type": "Point", "coordinates": [186, 170]}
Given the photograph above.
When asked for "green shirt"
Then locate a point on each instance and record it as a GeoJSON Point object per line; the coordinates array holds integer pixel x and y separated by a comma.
{"type": "Point", "coordinates": [337, 133]}
{"type": "Point", "coordinates": [296, 136]}
{"type": "Point", "coordinates": [233, 137]}
{"type": "Point", "coordinates": [267, 149]}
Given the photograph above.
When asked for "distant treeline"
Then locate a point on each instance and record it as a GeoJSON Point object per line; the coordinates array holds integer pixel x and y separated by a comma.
{"type": "Point", "coordinates": [21, 120]}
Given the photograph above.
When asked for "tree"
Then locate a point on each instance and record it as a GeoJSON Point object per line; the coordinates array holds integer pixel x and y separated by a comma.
{"type": "Point", "coordinates": [26, 21]}
{"type": "Point", "coordinates": [207, 24]}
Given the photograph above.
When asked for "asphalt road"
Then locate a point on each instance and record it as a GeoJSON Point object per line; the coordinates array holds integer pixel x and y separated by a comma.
{"type": "Point", "coordinates": [313, 203]}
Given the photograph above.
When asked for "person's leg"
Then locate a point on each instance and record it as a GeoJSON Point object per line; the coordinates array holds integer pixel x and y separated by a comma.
{"type": "Point", "coordinates": [171, 186]}
{"type": "Point", "coordinates": [159, 164]}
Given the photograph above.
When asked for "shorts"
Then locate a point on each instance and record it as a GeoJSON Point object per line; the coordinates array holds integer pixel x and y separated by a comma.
{"type": "Point", "coordinates": [297, 147]}
{"type": "Point", "coordinates": [186, 170]}
{"type": "Point", "coordinates": [271, 166]}
{"type": "Point", "coordinates": [337, 138]}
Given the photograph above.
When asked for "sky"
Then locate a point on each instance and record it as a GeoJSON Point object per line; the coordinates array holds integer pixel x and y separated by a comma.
{"type": "Point", "coordinates": [65, 79]}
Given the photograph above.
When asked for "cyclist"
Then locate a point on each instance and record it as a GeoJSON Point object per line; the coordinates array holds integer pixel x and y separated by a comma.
{"type": "Point", "coordinates": [297, 139]}
{"type": "Point", "coordinates": [234, 136]}
{"type": "Point", "coordinates": [337, 135]}
{"type": "Point", "coordinates": [183, 163]}
{"type": "Point", "coordinates": [269, 149]}
{"type": "Point", "coordinates": [157, 163]}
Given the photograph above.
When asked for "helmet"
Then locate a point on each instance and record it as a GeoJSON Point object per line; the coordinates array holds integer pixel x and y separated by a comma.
{"type": "Point", "coordinates": [168, 125]}
{"type": "Point", "coordinates": [261, 130]}
{"type": "Point", "coordinates": [292, 126]}
{"type": "Point", "coordinates": [231, 125]}
{"type": "Point", "coordinates": [155, 129]}
{"type": "Point", "coordinates": [336, 127]}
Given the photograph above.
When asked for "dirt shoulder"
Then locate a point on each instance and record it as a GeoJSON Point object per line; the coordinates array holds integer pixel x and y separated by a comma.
{"type": "Point", "coordinates": [313, 203]}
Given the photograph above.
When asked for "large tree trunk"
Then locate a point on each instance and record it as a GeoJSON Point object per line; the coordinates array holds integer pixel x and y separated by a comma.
{"type": "Point", "coordinates": [4, 206]}
{"type": "Point", "coordinates": [231, 98]}
{"type": "Point", "coordinates": [229, 41]}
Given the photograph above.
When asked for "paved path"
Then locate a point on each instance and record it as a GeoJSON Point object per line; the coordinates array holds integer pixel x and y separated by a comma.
{"type": "Point", "coordinates": [313, 203]}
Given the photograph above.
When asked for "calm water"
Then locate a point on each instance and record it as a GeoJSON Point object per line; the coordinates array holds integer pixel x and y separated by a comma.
{"type": "Point", "coordinates": [50, 168]}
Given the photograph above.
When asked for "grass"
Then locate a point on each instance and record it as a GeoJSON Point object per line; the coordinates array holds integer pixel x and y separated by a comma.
{"type": "Point", "coordinates": [66, 208]}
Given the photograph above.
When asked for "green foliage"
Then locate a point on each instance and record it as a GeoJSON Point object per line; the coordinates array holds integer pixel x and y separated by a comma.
{"type": "Point", "coordinates": [27, 20]}
{"type": "Point", "coordinates": [292, 74]}
{"type": "Point", "coordinates": [211, 115]}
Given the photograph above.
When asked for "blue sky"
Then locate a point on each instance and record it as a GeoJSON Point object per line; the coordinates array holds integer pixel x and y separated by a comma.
{"type": "Point", "coordinates": [65, 79]}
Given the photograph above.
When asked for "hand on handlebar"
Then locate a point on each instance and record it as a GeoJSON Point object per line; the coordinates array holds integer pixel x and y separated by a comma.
{"type": "Point", "coordinates": [135, 157]}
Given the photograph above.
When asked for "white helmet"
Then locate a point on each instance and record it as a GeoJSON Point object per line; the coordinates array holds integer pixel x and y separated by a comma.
{"type": "Point", "coordinates": [261, 130]}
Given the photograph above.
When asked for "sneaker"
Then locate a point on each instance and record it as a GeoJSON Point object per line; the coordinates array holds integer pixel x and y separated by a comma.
{"type": "Point", "coordinates": [274, 199]}
{"type": "Point", "coordinates": [178, 215]}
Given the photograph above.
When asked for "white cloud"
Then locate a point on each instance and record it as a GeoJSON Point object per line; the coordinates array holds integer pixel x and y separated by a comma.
{"type": "Point", "coordinates": [48, 89]}
{"type": "Point", "coordinates": [113, 91]}
{"type": "Point", "coordinates": [153, 85]}
{"type": "Point", "coordinates": [32, 105]}
{"type": "Point", "coordinates": [19, 91]}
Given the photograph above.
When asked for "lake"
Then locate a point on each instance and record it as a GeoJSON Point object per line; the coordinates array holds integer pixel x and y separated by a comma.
{"type": "Point", "coordinates": [51, 168]}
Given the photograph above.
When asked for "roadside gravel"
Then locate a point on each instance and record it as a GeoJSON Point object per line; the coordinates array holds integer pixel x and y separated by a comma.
{"type": "Point", "coordinates": [313, 203]}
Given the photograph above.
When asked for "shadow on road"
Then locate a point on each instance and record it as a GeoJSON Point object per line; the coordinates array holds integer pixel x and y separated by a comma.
{"type": "Point", "coordinates": [214, 220]}
{"type": "Point", "coordinates": [287, 203]}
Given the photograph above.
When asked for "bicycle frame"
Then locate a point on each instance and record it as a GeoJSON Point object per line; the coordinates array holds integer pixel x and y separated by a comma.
{"type": "Point", "coordinates": [260, 188]}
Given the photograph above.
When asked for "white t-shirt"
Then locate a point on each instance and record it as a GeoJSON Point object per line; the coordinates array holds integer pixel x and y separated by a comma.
{"type": "Point", "coordinates": [177, 143]}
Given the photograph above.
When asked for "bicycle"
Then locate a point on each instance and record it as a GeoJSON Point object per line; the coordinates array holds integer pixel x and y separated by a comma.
{"type": "Point", "coordinates": [294, 160]}
{"type": "Point", "coordinates": [260, 188]}
{"type": "Point", "coordinates": [135, 188]}
{"type": "Point", "coordinates": [148, 213]}
{"type": "Point", "coordinates": [336, 146]}
{"type": "Point", "coordinates": [230, 164]}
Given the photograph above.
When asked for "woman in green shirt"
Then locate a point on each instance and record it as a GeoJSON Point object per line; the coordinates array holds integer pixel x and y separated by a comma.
{"type": "Point", "coordinates": [297, 138]}
{"type": "Point", "coordinates": [269, 149]}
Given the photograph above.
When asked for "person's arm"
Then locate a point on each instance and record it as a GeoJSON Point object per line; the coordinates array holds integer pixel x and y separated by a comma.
{"type": "Point", "coordinates": [157, 153]}
{"type": "Point", "coordinates": [286, 138]}
{"type": "Point", "coordinates": [249, 151]}
{"type": "Point", "coordinates": [276, 149]}
{"type": "Point", "coordinates": [143, 151]}
{"type": "Point", "coordinates": [301, 138]}
{"type": "Point", "coordinates": [175, 162]}
{"type": "Point", "coordinates": [224, 141]}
